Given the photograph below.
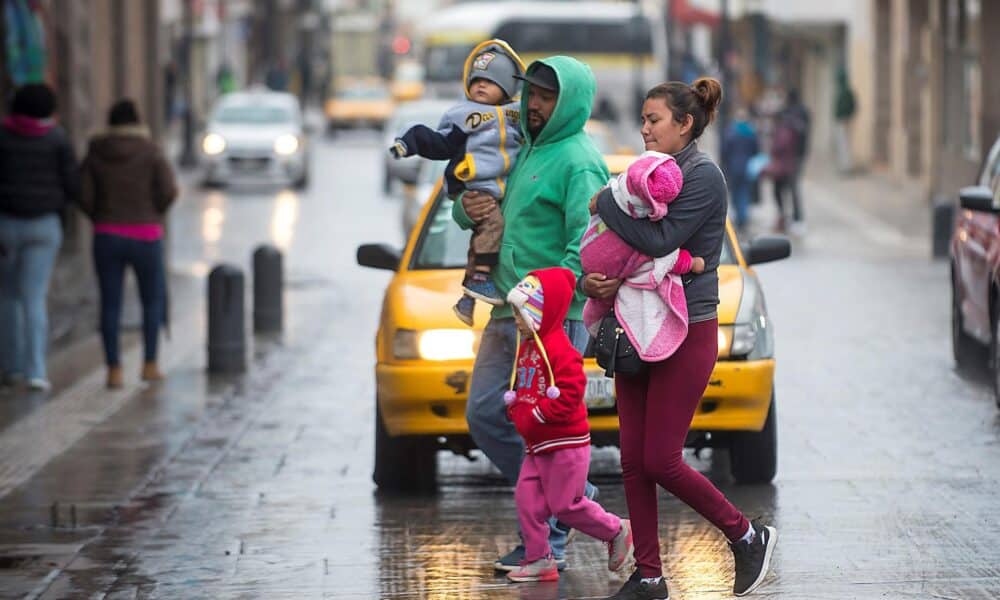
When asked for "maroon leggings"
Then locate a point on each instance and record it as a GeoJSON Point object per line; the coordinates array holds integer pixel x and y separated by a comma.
{"type": "Point", "coordinates": [655, 410]}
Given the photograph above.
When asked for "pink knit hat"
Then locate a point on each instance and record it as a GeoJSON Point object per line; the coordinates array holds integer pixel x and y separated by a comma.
{"type": "Point", "coordinates": [656, 179]}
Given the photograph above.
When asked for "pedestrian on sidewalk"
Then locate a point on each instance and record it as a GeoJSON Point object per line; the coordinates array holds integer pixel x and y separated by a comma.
{"type": "Point", "coordinates": [545, 403]}
{"type": "Point", "coordinates": [545, 213]}
{"type": "Point", "coordinates": [791, 134]}
{"type": "Point", "coordinates": [656, 406]}
{"type": "Point", "coordinates": [38, 178]}
{"type": "Point", "coordinates": [127, 188]}
{"type": "Point", "coordinates": [782, 169]}
{"type": "Point", "coordinates": [739, 145]}
{"type": "Point", "coordinates": [845, 105]}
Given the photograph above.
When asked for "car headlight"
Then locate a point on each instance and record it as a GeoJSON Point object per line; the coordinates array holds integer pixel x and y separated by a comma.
{"type": "Point", "coordinates": [213, 144]}
{"type": "Point", "coordinates": [434, 344]}
{"type": "Point", "coordinates": [751, 337]}
{"type": "Point", "coordinates": [286, 145]}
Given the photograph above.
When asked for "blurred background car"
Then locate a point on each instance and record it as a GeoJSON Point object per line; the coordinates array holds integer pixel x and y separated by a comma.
{"type": "Point", "coordinates": [407, 81]}
{"type": "Point", "coordinates": [358, 102]}
{"type": "Point", "coordinates": [406, 115]}
{"type": "Point", "coordinates": [255, 135]}
{"type": "Point", "coordinates": [416, 195]}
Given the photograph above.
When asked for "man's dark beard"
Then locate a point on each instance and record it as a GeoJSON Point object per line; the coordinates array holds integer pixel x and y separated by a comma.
{"type": "Point", "coordinates": [535, 131]}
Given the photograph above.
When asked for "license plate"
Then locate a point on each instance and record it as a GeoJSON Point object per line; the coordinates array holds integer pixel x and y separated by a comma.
{"type": "Point", "coordinates": [600, 392]}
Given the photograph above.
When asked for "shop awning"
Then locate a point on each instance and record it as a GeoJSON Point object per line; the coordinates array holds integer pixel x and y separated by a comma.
{"type": "Point", "coordinates": [684, 13]}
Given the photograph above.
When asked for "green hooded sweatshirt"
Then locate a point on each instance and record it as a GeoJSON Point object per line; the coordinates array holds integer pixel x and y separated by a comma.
{"type": "Point", "coordinates": [545, 209]}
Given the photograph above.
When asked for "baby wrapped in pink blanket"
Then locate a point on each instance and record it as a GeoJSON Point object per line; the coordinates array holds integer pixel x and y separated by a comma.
{"type": "Point", "coordinates": [650, 304]}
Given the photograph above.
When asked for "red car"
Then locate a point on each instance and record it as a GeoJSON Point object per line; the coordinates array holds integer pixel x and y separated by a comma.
{"type": "Point", "coordinates": [975, 272]}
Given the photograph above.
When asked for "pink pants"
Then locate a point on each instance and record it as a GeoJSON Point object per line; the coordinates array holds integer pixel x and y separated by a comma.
{"type": "Point", "coordinates": [655, 410]}
{"type": "Point", "coordinates": [551, 484]}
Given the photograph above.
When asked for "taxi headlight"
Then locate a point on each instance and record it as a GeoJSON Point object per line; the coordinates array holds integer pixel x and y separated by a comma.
{"type": "Point", "coordinates": [213, 144]}
{"type": "Point", "coordinates": [751, 337]}
{"type": "Point", "coordinates": [286, 145]}
{"type": "Point", "coordinates": [434, 344]}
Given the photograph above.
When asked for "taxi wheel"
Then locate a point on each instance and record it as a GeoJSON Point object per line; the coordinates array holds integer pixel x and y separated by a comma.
{"type": "Point", "coordinates": [753, 455]}
{"type": "Point", "coordinates": [966, 351]}
{"type": "Point", "coordinates": [403, 463]}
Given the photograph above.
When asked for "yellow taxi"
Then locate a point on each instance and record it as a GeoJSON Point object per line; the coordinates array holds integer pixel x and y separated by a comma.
{"type": "Point", "coordinates": [425, 358]}
{"type": "Point", "coordinates": [407, 82]}
{"type": "Point", "coordinates": [363, 102]}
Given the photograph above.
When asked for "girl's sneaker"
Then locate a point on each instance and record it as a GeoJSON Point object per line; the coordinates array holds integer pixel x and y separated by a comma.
{"type": "Point", "coordinates": [621, 549]}
{"type": "Point", "coordinates": [543, 569]}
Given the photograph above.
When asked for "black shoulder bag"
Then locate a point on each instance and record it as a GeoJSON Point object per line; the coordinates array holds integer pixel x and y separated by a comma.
{"type": "Point", "coordinates": [614, 351]}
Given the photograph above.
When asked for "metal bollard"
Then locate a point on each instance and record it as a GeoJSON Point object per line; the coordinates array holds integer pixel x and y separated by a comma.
{"type": "Point", "coordinates": [268, 289]}
{"type": "Point", "coordinates": [226, 329]}
{"type": "Point", "coordinates": [942, 225]}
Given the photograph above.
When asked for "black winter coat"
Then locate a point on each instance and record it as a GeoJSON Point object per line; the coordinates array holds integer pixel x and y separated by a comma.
{"type": "Point", "coordinates": [38, 174]}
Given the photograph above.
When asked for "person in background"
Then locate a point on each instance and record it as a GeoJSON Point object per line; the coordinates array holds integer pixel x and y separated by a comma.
{"type": "Point", "coordinates": [38, 178]}
{"type": "Point", "coordinates": [739, 145]}
{"type": "Point", "coordinates": [845, 105]}
{"type": "Point", "coordinates": [796, 116]}
{"type": "Point", "coordinates": [127, 188]}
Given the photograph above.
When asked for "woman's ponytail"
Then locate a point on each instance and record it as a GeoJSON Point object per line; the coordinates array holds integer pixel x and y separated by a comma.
{"type": "Point", "coordinates": [701, 100]}
{"type": "Point", "coordinates": [709, 93]}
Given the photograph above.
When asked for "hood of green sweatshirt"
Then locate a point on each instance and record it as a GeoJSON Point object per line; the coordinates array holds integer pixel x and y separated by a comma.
{"type": "Point", "coordinates": [576, 97]}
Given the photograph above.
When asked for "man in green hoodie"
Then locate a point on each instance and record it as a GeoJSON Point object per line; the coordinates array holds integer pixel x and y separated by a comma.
{"type": "Point", "coordinates": [546, 212]}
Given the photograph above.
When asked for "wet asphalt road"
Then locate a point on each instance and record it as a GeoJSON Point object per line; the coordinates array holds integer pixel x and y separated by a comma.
{"type": "Point", "coordinates": [259, 487]}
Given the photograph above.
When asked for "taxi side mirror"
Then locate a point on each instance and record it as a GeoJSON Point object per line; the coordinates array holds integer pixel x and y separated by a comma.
{"type": "Point", "coordinates": [977, 197]}
{"type": "Point", "coordinates": [767, 248]}
{"type": "Point", "coordinates": [379, 256]}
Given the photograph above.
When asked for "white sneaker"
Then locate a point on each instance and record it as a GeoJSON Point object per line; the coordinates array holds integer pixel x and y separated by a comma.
{"type": "Point", "coordinates": [798, 229]}
{"type": "Point", "coordinates": [39, 385]}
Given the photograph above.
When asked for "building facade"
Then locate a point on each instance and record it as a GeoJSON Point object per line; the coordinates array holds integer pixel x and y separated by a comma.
{"type": "Point", "coordinates": [929, 104]}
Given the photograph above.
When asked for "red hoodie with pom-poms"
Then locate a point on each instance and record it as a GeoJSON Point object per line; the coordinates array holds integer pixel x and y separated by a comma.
{"type": "Point", "coordinates": [546, 423]}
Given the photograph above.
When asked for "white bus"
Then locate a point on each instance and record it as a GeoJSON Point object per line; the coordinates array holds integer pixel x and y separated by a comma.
{"type": "Point", "coordinates": [625, 47]}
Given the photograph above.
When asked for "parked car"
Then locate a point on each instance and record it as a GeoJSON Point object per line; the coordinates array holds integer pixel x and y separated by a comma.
{"type": "Point", "coordinates": [975, 271]}
{"type": "Point", "coordinates": [253, 136]}
{"type": "Point", "coordinates": [363, 102]}
{"type": "Point", "coordinates": [425, 358]}
{"type": "Point", "coordinates": [408, 114]}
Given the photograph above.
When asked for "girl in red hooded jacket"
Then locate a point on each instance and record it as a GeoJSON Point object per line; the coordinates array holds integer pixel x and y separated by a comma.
{"type": "Point", "coordinates": [545, 403]}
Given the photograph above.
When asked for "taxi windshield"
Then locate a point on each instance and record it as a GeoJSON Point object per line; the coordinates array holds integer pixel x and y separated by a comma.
{"type": "Point", "coordinates": [444, 245]}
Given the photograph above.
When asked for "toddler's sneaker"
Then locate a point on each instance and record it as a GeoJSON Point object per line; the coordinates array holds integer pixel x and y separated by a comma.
{"type": "Point", "coordinates": [753, 558]}
{"type": "Point", "coordinates": [621, 549]}
{"type": "Point", "coordinates": [464, 309]}
{"type": "Point", "coordinates": [543, 569]}
{"type": "Point", "coordinates": [481, 287]}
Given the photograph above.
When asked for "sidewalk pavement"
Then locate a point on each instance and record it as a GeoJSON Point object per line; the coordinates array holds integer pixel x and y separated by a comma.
{"type": "Point", "coordinates": [894, 215]}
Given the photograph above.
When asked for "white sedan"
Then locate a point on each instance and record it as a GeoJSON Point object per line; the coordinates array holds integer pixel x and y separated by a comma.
{"type": "Point", "coordinates": [257, 135]}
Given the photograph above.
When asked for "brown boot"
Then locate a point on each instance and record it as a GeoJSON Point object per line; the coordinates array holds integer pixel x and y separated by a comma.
{"type": "Point", "coordinates": [150, 372]}
{"type": "Point", "coordinates": [114, 378]}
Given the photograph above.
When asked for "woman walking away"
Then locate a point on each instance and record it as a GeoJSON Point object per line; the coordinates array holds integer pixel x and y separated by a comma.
{"type": "Point", "coordinates": [655, 407]}
{"type": "Point", "coordinates": [38, 177]}
{"type": "Point", "coordinates": [127, 188]}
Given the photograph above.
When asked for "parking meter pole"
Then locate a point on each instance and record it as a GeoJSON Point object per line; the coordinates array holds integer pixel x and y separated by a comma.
{"type": "Point", "coordinates": [268, 290]}
{"type": "Point", "coordinates": [226, 329]}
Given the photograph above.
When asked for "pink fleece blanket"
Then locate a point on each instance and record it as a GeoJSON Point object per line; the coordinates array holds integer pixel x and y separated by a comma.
{"type": "Point", "coordinates": [650, 303]}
